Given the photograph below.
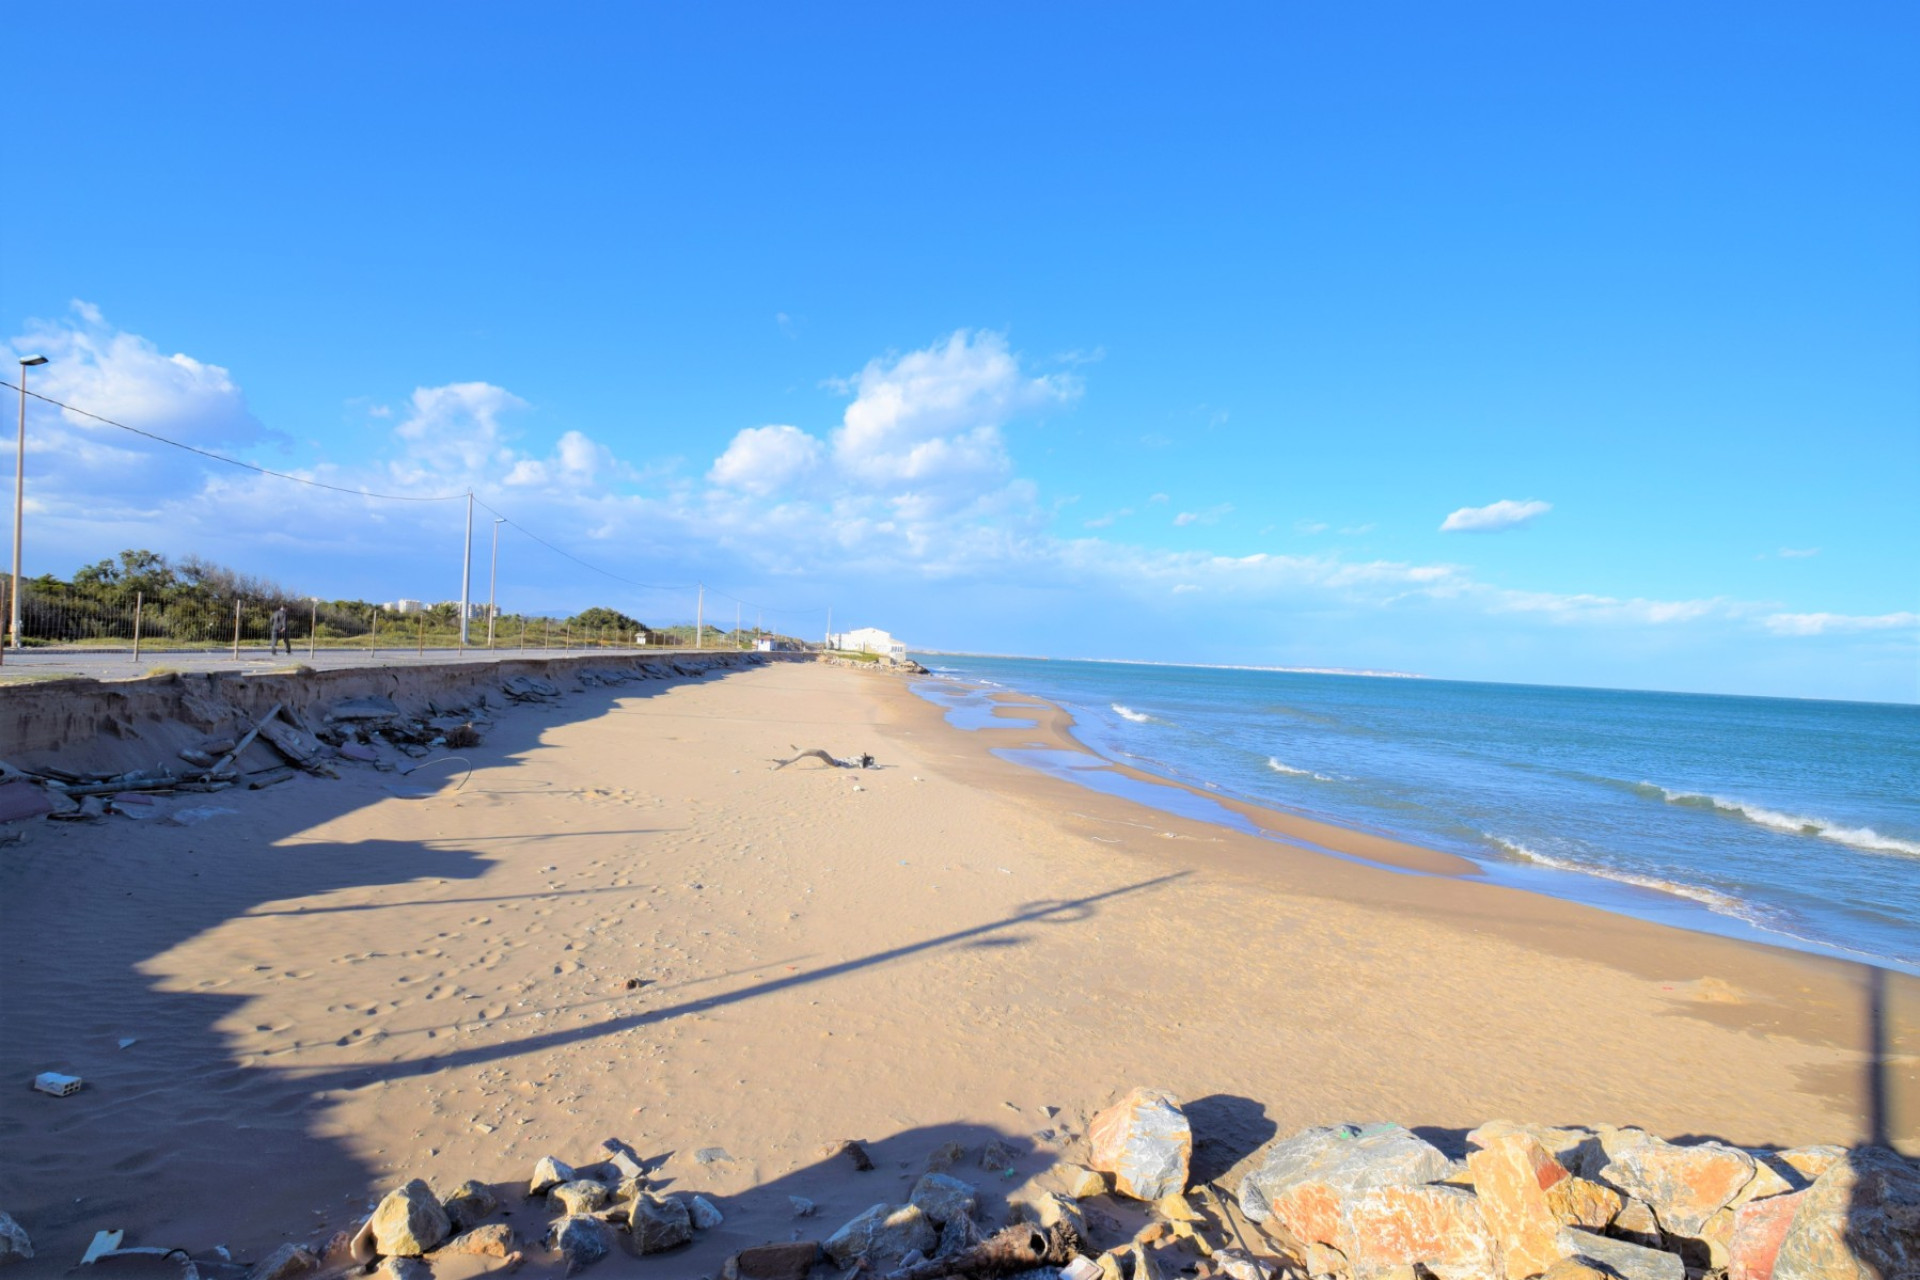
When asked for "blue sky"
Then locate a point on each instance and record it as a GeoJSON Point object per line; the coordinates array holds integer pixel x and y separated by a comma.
{"type": "Point", "coordinates": [1071, 330]}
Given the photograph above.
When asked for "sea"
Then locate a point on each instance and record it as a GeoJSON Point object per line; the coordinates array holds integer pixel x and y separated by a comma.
{"type": "Point", "coordinates": [1795, 822]}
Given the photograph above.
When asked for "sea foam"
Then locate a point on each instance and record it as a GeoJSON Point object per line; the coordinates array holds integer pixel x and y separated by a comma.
{"type": "Point", "coordinates": [1278, 767]}
{"type": "Point", "coordinates": [1863, 838]}
{"type": "Point", "coordinates": [1722, 903]}
{"type": "Point", "coordinates": [1128, 713]}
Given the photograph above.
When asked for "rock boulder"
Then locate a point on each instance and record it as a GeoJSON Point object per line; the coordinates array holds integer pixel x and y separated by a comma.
{"type": "Point", "coordinates": [882, 1235]}
{"type": "Point", "coordinates": [409, 1222]}
{"type": "Point", "coordinates": [657, 1224]}
{"type": "Point", "coordinates": [1439, 1229]}
{"type": "Point", "coordinates": [1860, 1220]}
{"type": "Point", "coordinates": [14, 1244]}
{"type": "Point", "coordinates": [1145, 1142]}
{"type": "Point", "coordinates": [1303, 1180]}
{"type": "Point", "coordinates": [1685, 1186]}
{"type": "Point", "coordinates": [470, 1204]}
{"type": "Point", "coordinates": [943, 1198]}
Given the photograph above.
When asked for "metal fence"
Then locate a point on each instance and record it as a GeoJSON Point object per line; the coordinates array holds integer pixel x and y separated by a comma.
{"type": "Point", "coordinates": [59, 616]}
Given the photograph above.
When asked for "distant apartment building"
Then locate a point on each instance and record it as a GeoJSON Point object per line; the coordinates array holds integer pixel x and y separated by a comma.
{"type": "Point", "coordinates": [405, 606]}
{"type": "Point", "coordinates": [869, 640]}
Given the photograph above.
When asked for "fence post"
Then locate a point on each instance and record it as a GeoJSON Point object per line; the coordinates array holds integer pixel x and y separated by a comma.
{"type": "Point", "coordinates": [139, 602]}
{"type": "Point", "coordinates": [546, 634]}
{"type": "Point", "coordinates": [313, 625]}
{"type": "Point", "coordinates": [523, 633]}
{"type": "Point", "coordinates": [236, 631]}
{"type": "Point", "coordinates": [373, 630]}
{"type": "Point", "coordinates": [421, 652]}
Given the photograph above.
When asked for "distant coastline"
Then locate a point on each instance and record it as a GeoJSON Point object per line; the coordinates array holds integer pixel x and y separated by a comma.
{"type": "Point", "coordinates": [1197, 666]}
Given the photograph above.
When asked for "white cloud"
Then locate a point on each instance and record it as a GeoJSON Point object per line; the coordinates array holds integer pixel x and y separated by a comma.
{"type": "Point", "coordinates": [1159, 497]}
{"type": "Point", "coordinates": [1495, 516]}
{"type": "Point", "coordinates": [1798, 553]}
{"type": "Point", "coordinates": [125, 377]}
{"type": "Point", "coordinates": [1357, 530]}
{"type": "Point", "coordinates": [763, 459]}
{"type": "Point", "coordinates": [1584, 608]}
{"type": "Point", "coordinates": [1106, 521]}
{"type": "Point", "coordinates": [932, 417]}
{"type": "Point", "coordinates": [1816, 624]}
{"type": "Point", "coordinates": [1310, 527]}
{"type": "Point", "coordinates": [1210, 515]}
{"type": "Point", "coordinates": [451, 432]}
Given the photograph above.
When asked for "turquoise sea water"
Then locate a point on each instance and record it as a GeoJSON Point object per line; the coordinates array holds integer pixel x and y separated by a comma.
{"type": "Point", "coordinates": [1796, 822]}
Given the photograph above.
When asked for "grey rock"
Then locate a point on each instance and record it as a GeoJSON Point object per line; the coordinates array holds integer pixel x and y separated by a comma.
{"type": "Point", "coordinates": [1860, 1220]}
{"type": "Point", "coordinates": [705, 1216]}
{"type": "Point", "coordinates": [577, 1197]}
{"type": "Point", "coordinates": [882, 1235]}
{"type": "Point", "coordinates": [712, 1155]}
{"type": "Point", "coordinates": [1046, 1208]}
{"type": "Point", "coordinates": [284, 1263]}
{"type": "Point", "coordinates": [1347, 1158]}
{"type": "Point", "coordinates": [998, 1157]}
{"type": "Point", "coordinates": [803, 1207]}
{"type": "Point", "coordinates": [1145, 1142]}
{"type": "Point", "coordinates": [942, 1197]}
{"type": "Point", "coordinates": [15, 1246]}
{"type": "Point", "coordinates": [1621, 1258]}
{"type": "Point", "coordinates": [470, 1204]}
{"type": "Point", "coordinates": [1238, 1264]}
{"type": "Point", "coordinates": [548, 1174]}
{"type": "Point", "coordinates": [409, 1222]}
{"type": "Point", "coordinates": [491, 1239]}
{"type": "Point", "coordinates": [957, 1236]}
{"type": "Point", "coordinates": [657, 1224]}
{"type": "Point", "coordinates": [945, 1156]}
{"type": "Point", "coordinates": [581, 1240]}
{"type": "Point", "coordinates": [398, 1268]}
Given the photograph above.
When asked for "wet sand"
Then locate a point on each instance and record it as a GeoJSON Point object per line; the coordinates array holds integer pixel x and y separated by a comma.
{"type": "Point", "coordinates": [335, 989]}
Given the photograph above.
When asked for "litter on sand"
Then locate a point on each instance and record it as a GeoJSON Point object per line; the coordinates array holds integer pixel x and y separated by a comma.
{"type": "Point", "coordinates": [57, 1084]}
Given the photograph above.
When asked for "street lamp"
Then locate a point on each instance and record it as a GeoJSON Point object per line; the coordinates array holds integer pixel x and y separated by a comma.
{"type": "Point", "coordinates": [493, 577]}
{"type": "Point", "coordinates": [20, 490]}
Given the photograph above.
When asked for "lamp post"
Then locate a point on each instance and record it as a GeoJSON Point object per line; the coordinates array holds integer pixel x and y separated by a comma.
{"type": "Point", "coordinates": [466, 573]}
{"type": "Point", "coordinates": [20, 490]}
{"type": "Point", "coordinates": [493, 577]}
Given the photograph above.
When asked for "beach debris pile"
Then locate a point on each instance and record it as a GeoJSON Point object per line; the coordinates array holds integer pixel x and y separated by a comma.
{"type": "Point", "coordinates": [1338, 1202]}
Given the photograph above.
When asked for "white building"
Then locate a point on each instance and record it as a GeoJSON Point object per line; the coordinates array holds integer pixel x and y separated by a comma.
{"type": "Point", "coordinates": [405, 606]}
{"type": "Point", "coordinates": [869, 640]}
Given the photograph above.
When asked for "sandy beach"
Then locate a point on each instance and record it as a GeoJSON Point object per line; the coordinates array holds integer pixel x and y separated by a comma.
{"type": "Point", "coordinates": [626, 925]}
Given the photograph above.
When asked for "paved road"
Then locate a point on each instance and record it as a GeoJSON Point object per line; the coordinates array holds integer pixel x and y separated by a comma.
{"type": "Point", "coordinates": [41, 664]}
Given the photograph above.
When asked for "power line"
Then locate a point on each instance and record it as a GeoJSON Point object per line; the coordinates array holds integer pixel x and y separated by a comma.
{"type": "Point", "coordinates": [235, 462]}
{"type": "Point", "coordinates": [388, 497]}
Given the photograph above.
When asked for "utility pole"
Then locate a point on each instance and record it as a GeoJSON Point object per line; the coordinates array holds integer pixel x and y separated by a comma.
{"type": "Point", "coordinates": [829, 626]}
{"type": "Point", "coordinates": [700, 619]}
{"type": "Point", "coordinates": [20, 490]}
{"type": "Point", "coordinates": [493, 579]}
{"type": "Point", "coordinates": [736, 624]}
{"type": "Point", "coordinates": [466, 571]}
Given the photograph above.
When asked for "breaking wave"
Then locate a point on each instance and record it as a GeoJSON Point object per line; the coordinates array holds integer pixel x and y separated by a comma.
{"type": "Point", "coordinates": [1864, 838]}
{"type": "Point", "coordinates": [1277, 767]}
{"type": "Point", "coordinates": [1721, 903]}
{"type": "Point", "coordinates": [1128, 713]}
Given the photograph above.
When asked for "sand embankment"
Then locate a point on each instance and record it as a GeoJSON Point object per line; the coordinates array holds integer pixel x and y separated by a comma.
{"type": "Point", "coordinates": [627, 926]}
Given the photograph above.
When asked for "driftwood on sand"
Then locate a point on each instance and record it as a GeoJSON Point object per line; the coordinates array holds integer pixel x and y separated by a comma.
{"type": "Point", "coordinates": [864, 762]}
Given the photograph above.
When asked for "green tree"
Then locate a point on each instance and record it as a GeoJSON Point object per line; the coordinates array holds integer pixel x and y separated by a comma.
{"type": "Point", "coordinates": [613, 620]}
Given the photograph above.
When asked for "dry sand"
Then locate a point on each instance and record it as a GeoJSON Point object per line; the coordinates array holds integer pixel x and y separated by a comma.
{"type": "Point", "coordinates": [336, 989]}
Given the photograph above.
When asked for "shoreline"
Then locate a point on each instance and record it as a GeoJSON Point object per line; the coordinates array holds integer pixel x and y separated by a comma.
{"type": "Point", "coordinates": [1650, 898]}
{"type": "Point", "coordinates": [627, 925]}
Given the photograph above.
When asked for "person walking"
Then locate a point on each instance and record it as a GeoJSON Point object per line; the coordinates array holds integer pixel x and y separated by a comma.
{"type": "Point", "coordinates": [278, 632]}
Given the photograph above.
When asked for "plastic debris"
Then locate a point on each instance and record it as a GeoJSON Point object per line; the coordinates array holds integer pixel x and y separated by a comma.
{"type": "Point", "coordinates": [58, 1085]}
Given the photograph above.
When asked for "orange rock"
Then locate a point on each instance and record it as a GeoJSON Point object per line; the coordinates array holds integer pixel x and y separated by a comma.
{"type": "Point", "coordinates": [1578, 1202]}
{"type": "Point", "coordinates": [1685, 1185]}
{"type": "Point", "coordinates": [1145, 1142]}
{"type": "Point", "coordinates": [1758, 1228]}
{"type": "Point", "coordinates": [1439, 1228]}
{"type": "Point", "coordinates": [1512, 1175]}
